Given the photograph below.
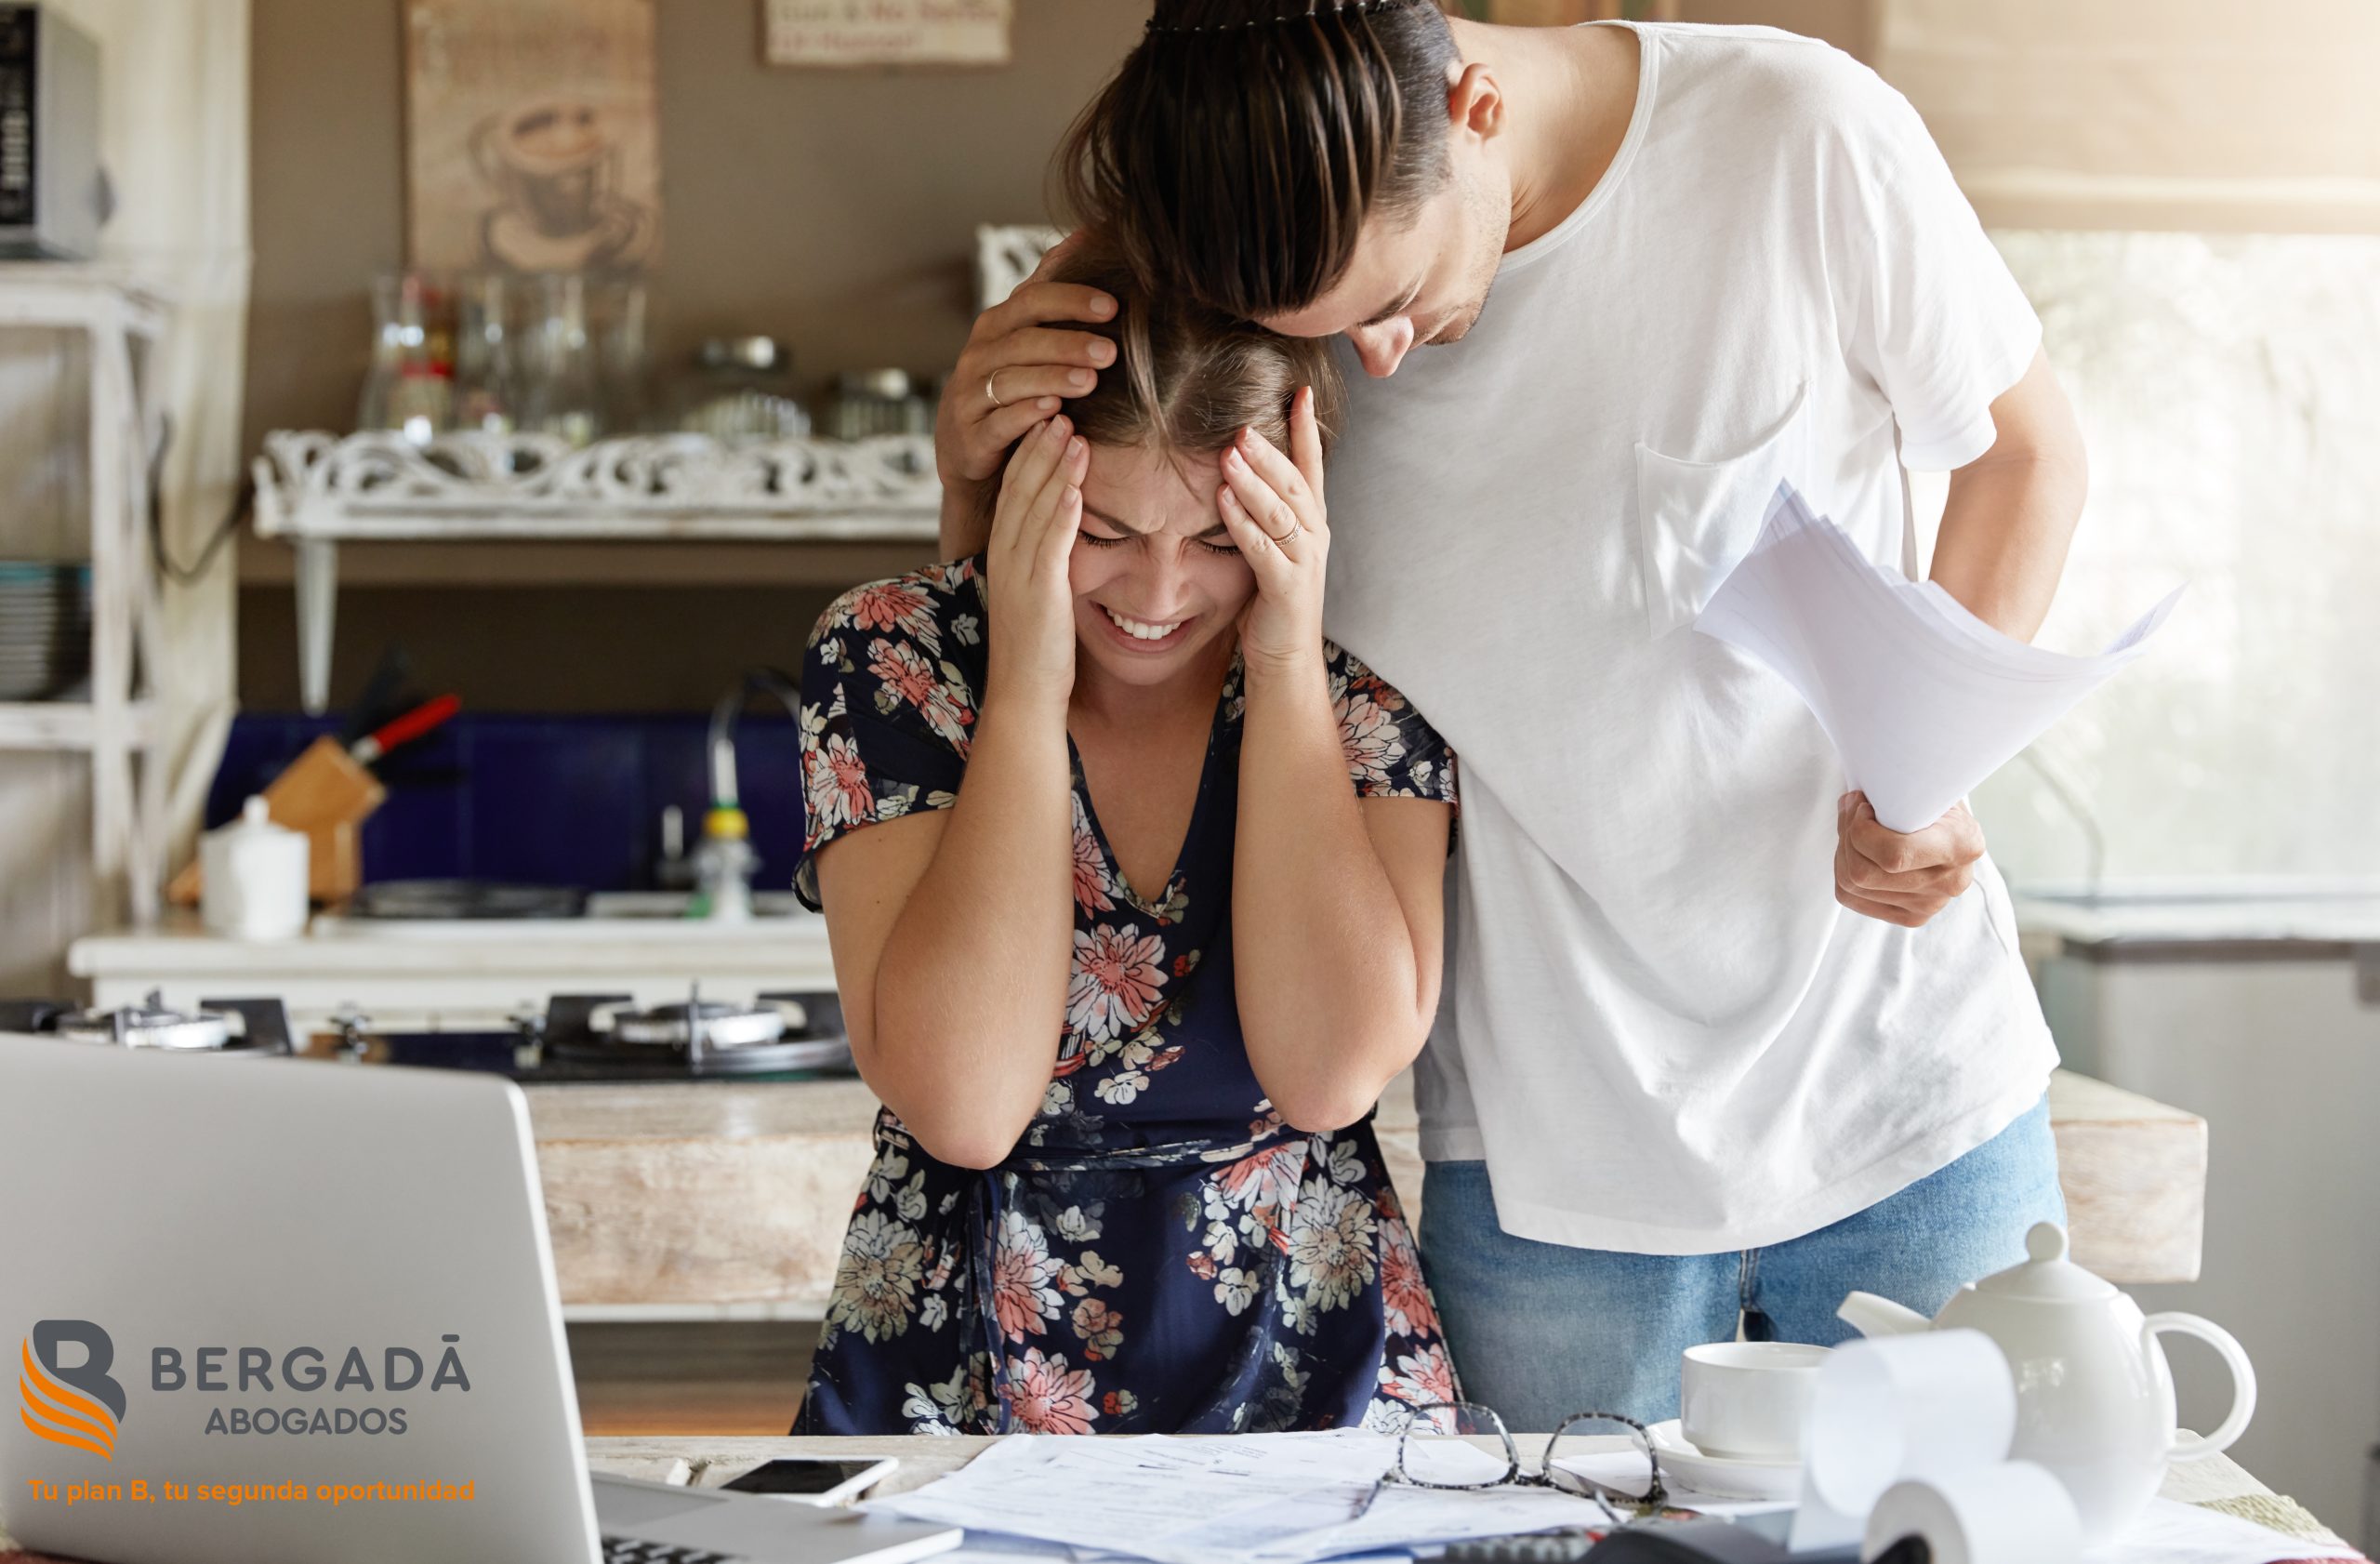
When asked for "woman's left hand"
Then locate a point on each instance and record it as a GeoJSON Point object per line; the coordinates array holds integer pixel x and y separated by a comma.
{"type": "Point", "coordinates": [1271, 506]}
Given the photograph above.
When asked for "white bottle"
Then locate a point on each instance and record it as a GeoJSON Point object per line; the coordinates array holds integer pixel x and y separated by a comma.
{"type": "Point", "coordinates": [253, 876]}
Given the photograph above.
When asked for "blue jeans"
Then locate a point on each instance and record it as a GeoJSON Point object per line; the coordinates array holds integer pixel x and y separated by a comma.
{"type": "Point", "coordinates": [1539, 1331]}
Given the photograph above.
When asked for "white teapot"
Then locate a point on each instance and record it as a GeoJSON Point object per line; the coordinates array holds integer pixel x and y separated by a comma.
{"type": "Point", "coordinates": [2094, 1398]}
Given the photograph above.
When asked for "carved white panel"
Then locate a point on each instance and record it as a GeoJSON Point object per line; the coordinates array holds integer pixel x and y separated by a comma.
{"type": "Point", "coordinates": [314, 484]}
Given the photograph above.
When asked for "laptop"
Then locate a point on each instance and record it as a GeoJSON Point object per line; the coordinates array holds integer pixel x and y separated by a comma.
{"type": "Point", "coordinates": [281, 1311]}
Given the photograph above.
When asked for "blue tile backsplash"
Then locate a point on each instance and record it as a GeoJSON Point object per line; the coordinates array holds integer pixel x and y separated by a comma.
{"type": "Point", "coordinates": [541, 801]}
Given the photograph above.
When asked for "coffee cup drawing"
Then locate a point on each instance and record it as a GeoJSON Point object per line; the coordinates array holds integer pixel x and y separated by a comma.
{"type": "Point", "coordinates": [553, 167]}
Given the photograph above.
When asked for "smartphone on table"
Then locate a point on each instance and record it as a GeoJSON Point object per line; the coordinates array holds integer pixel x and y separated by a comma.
{"type": "Point", "coordinates": [813, 1479]}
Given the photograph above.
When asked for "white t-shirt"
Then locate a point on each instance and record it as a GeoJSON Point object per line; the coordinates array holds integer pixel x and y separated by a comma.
{"type": "Point", "coordinates": [1660, 1030]}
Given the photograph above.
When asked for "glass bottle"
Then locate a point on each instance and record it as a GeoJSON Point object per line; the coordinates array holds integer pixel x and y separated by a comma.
{"type": "Point", "coordinates": [627, 365]}
{"type": "Point", "coordinates": [486, 385]}
{"type": "Point", "coordinates": [563, 396]}
{"type": "Point", "coordinates": [408, 389]}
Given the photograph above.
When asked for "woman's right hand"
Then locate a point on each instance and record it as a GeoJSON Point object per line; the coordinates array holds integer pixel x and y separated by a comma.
{"type": "Point", "coordinates": [1028, 365]}
{"type": "Point", "coordinates": [1031, 599]}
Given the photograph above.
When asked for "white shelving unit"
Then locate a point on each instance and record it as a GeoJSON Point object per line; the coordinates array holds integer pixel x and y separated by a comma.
{"type": "Point", "coordinates": [117, 726]}
{"type": "Point", "coordinates": [317, 491]}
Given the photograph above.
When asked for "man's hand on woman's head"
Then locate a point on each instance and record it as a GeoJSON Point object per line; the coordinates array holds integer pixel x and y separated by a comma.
{"type": "Point", "coordinates": [1902, 877]}
{"type": "Point", "coordinates": [1271, 506]}
{"type": "Point", "coordinates": [1015, 369]}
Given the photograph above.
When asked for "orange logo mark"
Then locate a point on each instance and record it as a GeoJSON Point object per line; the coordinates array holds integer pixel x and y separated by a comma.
{"type": "Point", "coordinates": [61, 1415]}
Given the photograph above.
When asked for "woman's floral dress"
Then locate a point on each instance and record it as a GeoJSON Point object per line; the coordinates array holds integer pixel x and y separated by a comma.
{"type": "Point", "coordinates": [1161, 1253]}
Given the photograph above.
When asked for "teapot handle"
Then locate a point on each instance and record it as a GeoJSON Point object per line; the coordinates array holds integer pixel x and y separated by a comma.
{"type": "Point", "coordinates": [2198, 1447]}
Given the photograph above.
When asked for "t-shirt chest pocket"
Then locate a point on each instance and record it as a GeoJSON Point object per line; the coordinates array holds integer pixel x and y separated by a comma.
{"type": "Point", "coordinates": [1695, 520]}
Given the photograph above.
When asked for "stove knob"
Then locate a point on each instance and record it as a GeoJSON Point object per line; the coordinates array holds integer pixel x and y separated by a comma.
{"type": "Point", "coordinates": [352, 1043]}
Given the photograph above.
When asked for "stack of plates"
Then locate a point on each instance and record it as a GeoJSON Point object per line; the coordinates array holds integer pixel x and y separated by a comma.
{"type": "Point", "coordinates": [45, 628]}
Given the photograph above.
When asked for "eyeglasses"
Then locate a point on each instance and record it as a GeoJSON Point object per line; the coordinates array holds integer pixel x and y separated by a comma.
{"type": "Point", "coordinates": [1444, 1445]}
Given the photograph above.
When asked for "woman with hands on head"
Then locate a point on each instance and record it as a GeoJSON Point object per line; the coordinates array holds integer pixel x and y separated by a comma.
{"type": "Point", "coordinates": [1133, 884]}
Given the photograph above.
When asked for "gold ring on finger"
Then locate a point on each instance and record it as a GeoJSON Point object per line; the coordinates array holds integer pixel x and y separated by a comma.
{"type": "Point", "coordinates": [1296, 527]}
{"type": "Point", "coordinates": [995, 395]}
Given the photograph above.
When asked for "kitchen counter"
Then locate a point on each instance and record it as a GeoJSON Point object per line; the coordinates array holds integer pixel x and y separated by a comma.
{"type": "Point", "coordinates": [454, 972]}
{"type": "Point", "coordinates": [726, 1200]}
{"type": "Point", "coordinates": [729, 1200]}
{"type": "Point", "coordinates": [2229, 913]}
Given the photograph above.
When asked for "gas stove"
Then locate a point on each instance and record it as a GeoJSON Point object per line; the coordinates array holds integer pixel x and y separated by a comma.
{"type": "Point", "coordinates": [609, 1037]}
{"type": "Point", "coordinates": [576, 1038]}
{"type": "Point", "coordinates": [228, 1028]}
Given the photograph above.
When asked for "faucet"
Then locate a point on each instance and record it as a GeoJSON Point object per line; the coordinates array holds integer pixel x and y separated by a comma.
{"type": "Point", "coordinates": [724, 860]}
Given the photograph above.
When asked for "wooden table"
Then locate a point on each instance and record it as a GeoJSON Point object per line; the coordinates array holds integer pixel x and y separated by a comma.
{"type": "Point", "coordinates": [2217, 1482]}
{"type": "Point", "coordinates": [733, 1196]}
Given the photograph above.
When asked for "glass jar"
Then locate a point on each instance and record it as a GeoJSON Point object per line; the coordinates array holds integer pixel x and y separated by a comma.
{"type": "Point", "coordinates": [617, 306]}
{"type": "Point", "coordinates": [872, 402]}
{"type": "Point", "coordinates": [486, 379]}
{"type": "Point", "coordinates": [742, 389]}
{"type": "Point", "coordinates": [409, 387]}
{"type": "Point", "coordinates": [563, 395]}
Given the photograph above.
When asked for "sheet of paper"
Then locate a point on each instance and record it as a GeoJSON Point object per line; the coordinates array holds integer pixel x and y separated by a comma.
{"type": "Point", "coordinates": [2177, 1534]}
{"type": "Point", "coordinates": [1619, 1469]}
{"type": "Point", "coordinates": [1174, 1501]}
{"type": "Point", "coordinates": [1264, 1499]}
{"type": "Point", "coordinates": [1922, 699]}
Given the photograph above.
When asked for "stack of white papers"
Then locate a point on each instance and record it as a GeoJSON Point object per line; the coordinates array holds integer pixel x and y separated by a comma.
{"type": "Point", "coordinates": [1267, 1498]}
{"type": "Point", "coordinates": [1292, 1499]}
{"type": "Point", "coordinates": [1923, 699]}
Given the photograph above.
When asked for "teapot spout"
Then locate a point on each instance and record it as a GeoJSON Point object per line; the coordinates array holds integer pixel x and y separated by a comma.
{"type": "Point", "coordinates": [1871, 1316]}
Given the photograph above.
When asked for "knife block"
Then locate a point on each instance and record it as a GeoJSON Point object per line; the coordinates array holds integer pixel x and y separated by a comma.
{"type": "Point", "coordinates": [327, 794]}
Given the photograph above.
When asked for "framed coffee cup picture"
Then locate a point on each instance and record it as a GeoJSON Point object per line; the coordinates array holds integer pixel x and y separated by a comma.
{"type": "Point", "coordinates": [531, 135]}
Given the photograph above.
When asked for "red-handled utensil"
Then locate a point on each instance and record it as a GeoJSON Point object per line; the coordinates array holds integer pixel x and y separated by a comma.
{"type": "Point", "coordinates": [404, 729]}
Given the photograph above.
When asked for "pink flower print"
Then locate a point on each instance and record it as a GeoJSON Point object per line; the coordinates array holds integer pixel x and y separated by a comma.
{"type": "Point", "coordinates": [910, 678]}
{"type": "Point", "coordinates": [1267, 1180]}
{"type": "Point", "coordinates": [903, 605]}
{"type": "Point", "coordinates": [1411, 1311]}
{"type": "Point", "coordinates": [1420, 1377]}
{"type": "Point", "coordinates": [1101, 1327]}
{"type": "Point", "coordinates": [1370, 736]}
{"type": "Point", "coordinates": [1330, 1243]}
{"type": "Point", "coordinates": [835, 785]}
{"type": "Point", "coordinates": [1043, 1398]}
{"type": "Point", "coordinates": [1116, 981]}
{"type": "Point", "coordinates": [1025, 1278]}
{"type": "Point", "coordinates": [1091, 884]}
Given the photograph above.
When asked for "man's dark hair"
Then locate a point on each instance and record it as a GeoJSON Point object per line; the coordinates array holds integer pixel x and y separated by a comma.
{"type": "Point", "coordinates": [1241, 145]}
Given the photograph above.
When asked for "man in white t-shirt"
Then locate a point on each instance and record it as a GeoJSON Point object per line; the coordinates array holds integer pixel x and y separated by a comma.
{"type": "Point", "coordinates": [1716, 1046]}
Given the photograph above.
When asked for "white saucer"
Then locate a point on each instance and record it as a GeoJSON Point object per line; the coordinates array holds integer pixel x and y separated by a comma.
{"type": "Point", "coordinates": [1721, 1477]}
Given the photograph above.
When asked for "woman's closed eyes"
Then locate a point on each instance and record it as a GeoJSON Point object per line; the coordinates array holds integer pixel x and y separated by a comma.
{"type": "Point", "coordinates": [1097, 541]}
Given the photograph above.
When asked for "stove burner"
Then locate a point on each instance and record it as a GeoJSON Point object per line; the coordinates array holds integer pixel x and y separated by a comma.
{"type": "Point", "coordinates": [676, 1026]}
{"type": "Point", "coordinates": [252, 1029]}
{"type": "Point", "coordinates": [697, 1036]}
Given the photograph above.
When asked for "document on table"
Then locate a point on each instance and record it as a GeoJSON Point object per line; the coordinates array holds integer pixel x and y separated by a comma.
{"type": "Point", "coordinates": [1267, 1498]}
{"type": "Point", "coordinates": [2172, 1532]}
{"type": "Point", "coordinates": [1923, 699]}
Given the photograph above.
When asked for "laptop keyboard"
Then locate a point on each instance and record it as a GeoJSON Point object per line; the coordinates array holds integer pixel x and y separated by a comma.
{"type": "Point", "coordinates": [629, 1550]}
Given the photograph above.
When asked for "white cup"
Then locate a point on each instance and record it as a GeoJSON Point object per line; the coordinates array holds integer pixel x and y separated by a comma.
{"type": "Point", "coordinates": [1746, 1401]}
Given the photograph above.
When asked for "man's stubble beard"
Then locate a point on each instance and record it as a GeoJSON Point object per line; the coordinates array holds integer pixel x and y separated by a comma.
{"type": "Point", "coordinates": [1493, 222]}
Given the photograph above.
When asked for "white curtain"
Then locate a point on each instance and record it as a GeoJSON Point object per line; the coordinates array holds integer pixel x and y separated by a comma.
{"type": "Point", "coordinates": [173, 106]}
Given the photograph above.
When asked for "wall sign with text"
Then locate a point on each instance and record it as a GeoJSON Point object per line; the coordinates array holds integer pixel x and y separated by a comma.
{"type": "Point", "coordinates": [888, 31]}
